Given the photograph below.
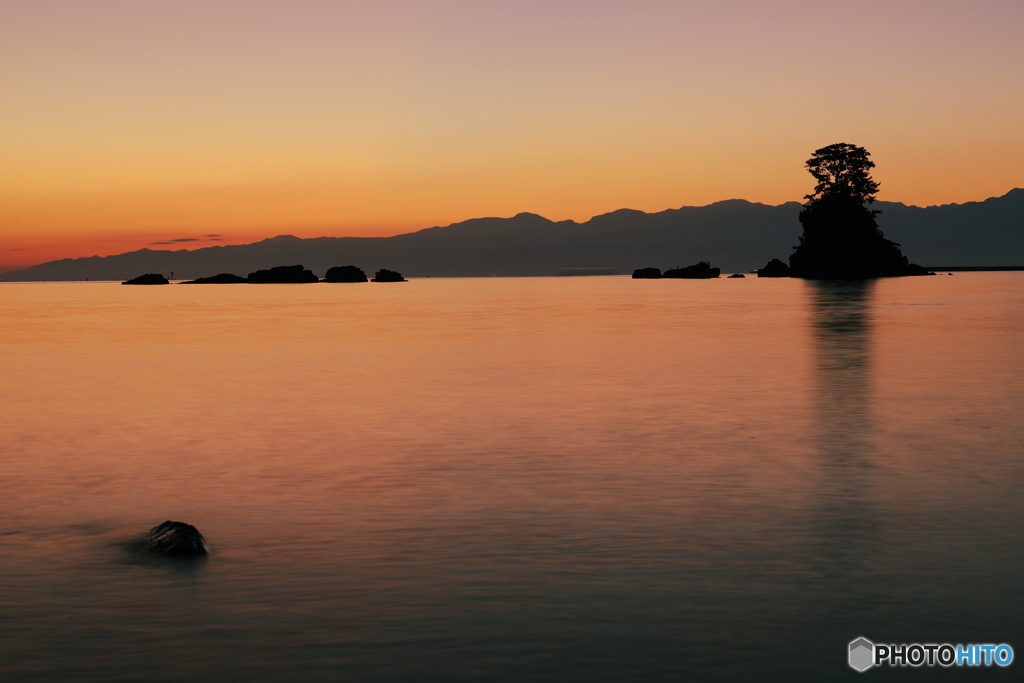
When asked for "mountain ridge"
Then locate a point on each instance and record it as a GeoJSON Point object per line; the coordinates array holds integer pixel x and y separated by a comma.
{"type": "Point", "coordinates": [734, 234]}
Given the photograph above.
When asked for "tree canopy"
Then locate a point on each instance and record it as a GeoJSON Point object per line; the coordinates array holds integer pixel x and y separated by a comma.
{"type": "Point", "coordinates": [842, 169]}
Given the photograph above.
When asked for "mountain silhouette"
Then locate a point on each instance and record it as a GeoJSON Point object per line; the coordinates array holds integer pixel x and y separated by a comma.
{"type": "Point", "coordinates": [735, 235]}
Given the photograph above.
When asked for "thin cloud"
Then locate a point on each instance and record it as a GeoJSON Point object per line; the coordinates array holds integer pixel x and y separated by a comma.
{"type": "Point", "coordinates": [201, 238]}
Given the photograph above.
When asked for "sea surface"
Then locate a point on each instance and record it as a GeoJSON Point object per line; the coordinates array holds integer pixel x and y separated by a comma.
{"type": "Point", "coordinates": [511, 479]}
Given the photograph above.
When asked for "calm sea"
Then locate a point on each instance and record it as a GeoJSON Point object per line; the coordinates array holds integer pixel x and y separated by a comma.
{"type": "Point", "coordinates": [536, 479]}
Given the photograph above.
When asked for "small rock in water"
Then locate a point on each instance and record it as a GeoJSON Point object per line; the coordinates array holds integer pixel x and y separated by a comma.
{"type": "Point", "coordinates": [774, 268]}
{"type": "Point", "coordinates": [345, 274]}
{"type": "Point", "coordinates": [646, 274]}
{"type": "Point", "coordinates": [737, 275]}
{"type": "Point", "coordinates": [175, 539]}
{"type": "Point", "coordinates": [698, 271]}
{"type": "Point", "coordinates": [385, 275]}
{"type": "Point", "coordinates": [222, 279]}
{"type": "Point", "coordinates": [282, 275]}
{"type": "Point", "coordinates": [147, 279]}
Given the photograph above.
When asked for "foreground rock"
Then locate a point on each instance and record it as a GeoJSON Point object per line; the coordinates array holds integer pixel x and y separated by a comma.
{"type": "Point", "coordinates": [147, 279]}
{"type": "Point", "coordinates": [345, 274]}
{"type": "Point", "coordinates": [736, 275]}
{"type": "Point", "coordinates": [385, 275]}
{"type": "Point", "coordinates": [774, 268]}
{"type": "Point", "coordinates": [175, 539]}
{"type": "Point", "coordinates": [646, 274]}
{"type": "Point", "coordinates": [282, 274]}
{"type": "Point", "coordinates": [698, 271]}
{"type": "Point", "coordinates": [222, 279]}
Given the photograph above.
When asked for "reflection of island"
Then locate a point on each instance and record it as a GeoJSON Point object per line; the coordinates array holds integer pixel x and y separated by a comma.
{"type": "Point", "coordinates": [841, 332]}
{"type": "Point", "coordinates": [841, 328]}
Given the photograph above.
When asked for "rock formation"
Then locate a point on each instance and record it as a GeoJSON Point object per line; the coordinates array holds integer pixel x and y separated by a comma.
{"type": "Point", "coordinates": [646, 274]}
{"type": "Point", "coordinates": [841, 238]}
{"type": "Point", "coordinates": [736, 275]}
{"type": "Point", "coordinates": [774, 268]}
{"type": "Point", "coordinates": [175, 539]}
{"type": "Point", "coordinates": [345, 274]}
{"type": "Point", "coordinates": [282, 274]}
{"type": "Point", "coordinates": [698, 271]}
{"type": "Point", "coordinates": [147, 279]}
{"type": "Point", "coordinates": [385, 275]}
{"type": "Point", "coordinates": [222, 279]}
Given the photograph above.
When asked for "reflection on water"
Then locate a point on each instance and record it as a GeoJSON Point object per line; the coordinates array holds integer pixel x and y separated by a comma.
{"type": "Point", "coordinates": [841, 325]}
{"type": "Point", "coordinates": [842, 345]}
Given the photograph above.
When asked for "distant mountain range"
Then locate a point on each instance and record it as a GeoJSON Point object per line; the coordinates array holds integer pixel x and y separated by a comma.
{"type": "Point", "coordinates": [735, 235]}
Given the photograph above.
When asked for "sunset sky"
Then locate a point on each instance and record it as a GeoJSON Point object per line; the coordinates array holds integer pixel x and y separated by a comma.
{"type": "Point", "coordinates": [132, 123]}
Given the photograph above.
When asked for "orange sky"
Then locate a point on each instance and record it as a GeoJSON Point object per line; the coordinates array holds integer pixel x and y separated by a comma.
{"type": "Point", "coordinates": [133, 122]}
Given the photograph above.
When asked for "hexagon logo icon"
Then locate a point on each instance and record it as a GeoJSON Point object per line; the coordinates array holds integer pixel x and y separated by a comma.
{"type": "Point", "coordinates": [862, 654]}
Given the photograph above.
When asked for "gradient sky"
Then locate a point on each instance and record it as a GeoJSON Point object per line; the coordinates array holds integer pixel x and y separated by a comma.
{"type": "Point", "coordinates": [130, 122]}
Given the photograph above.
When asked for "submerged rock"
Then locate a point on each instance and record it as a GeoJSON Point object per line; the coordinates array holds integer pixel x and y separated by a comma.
{"type": "Point", "coordinates": [175, 539]}
{"type": "Point", "coordinates": [282, 274]}
{"type": "Point", "coordinates": [147, 279]}
{"type": "Point", "coordinates": [345, 274]}
{"type": "Point", "coordinates": [222, 279]}
{"type": "Point", "coordinates": [737, 275]}
{"type": "Point", "coordinates": [774, 268]}
{"type": "Point", "coordinates": [698, 271]}
{"type": "Point", "coordinates": [385, 275]}
{"type": "Point", "coordinates": [646, 274]}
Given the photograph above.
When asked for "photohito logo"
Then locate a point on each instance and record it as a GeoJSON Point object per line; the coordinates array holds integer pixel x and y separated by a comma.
{"type": "Point", "coordinates": [863, 654]}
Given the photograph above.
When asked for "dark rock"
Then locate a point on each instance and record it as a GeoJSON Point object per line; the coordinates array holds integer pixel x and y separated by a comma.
{"type": "Point", "coordinates": [698, 271]}
{"type": "Point", "coordinates": [774, 268]}
{"type": "Point", "coordinates": [385, 275]}
{"type": "Point", "coordinates": [282, 274]}
{"type": "Point", "coordinates": [175, 539]}
{"type": "Point", "coordinates": [345, 274]}
{"type": "Point", "coordinates": [646, 274]}
{"type": "Point", "coordinates": [147, 279]}
{"type": "Point", "coordinates": [914, 269]}
{"type": "Point", "coordinates": [222, 279]}
{"type": "Point", "coordinates": [737, 275]}
{"type": "Point", "coordinates": [841, 240]}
